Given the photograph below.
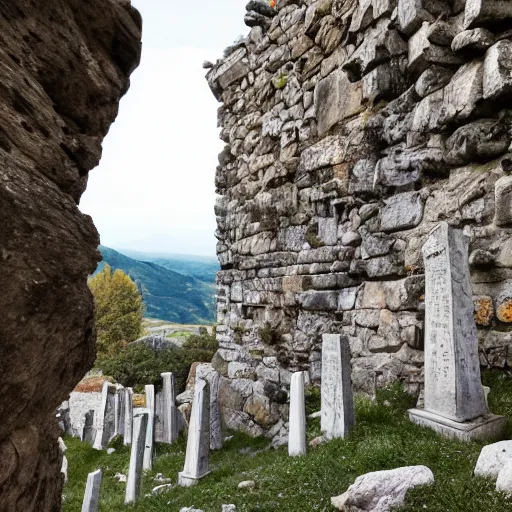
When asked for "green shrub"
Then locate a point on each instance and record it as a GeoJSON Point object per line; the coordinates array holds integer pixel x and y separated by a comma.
{"type": "Point", "coordinates": [137, 364]}
{"type": "Point", "coordinates": [268, 335]}
{"type": "Point", "coordinates": [312, 238]}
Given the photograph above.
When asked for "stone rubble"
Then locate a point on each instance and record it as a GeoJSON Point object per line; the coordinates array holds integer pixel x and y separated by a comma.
{"type": "Point", "coordinates": [382, 491]}
{"type": "Point", "coordinates": [351, 129]}
{"type": "Point", "coordinates": [493, 458]}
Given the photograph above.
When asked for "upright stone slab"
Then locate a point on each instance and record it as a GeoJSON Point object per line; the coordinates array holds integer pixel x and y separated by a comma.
{"type": "Point", "coordinates": [297, 420]}
{"type": "Point", "coordinates": [209, 374]}
{"type": "Point", "coordinates": [89, 432]}
{"type": "Point", "coordinates": [455, 402]}
{"type": "Point", "coordinates": [150, 431]}
{"type": "Point", "coordinates": [169, 409]}
{"type": "Point", "coordinates": [128, 415]}
{"type": "Point", "coordinates": [198, 443]}
{"type": "Point", "coordinates": [134, 480]}
{"type": "Point", "coordinates": [119, 410]}
{"type": "Point", "coordinates": [338, 417]}
{"type": "Point", "coordinates": [105, 417]}
{"type": "Point", "coordinates": [92, 492]}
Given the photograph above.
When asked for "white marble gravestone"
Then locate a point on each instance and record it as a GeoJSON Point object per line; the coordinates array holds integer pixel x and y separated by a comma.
{"type": "Point", "coordinates": [128, 415]}
{"type": "Point", "coordinates": [337, 418]}
{"type": "Point", "coordinates": [169, 409]}
{"type": "Point", "coordinates": [297, 420]}
{"type": "Point", "coordinates": [198, 442]}
{"type": "Point", "coordinates": [92, 492]}
{"type": "Point", "coordinates": [134, 480]}
{"type": "Point", "coordinates": [150, 431]}
{"type": "Point", "coordinates": [105, 425]}
{"type": "Point", "coordinates": [455, 403]}
{"type": "Point", "coordinates": [207, 372]}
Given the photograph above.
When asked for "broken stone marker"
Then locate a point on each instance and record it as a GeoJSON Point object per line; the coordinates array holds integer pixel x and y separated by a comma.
{"type": "Point", "coordinates": [198, 443]}
{"type": "Point", "coordinates": [134, 481]}
{"type": "Point", "coordinates": [297, 435]}
{"type": "Point", "coordinates": [106, 417]}
{"type": "Point", "coordinates": [338, 417]}
{"type": "Point", "coordinates": [150, 431]}
{"type": "Point", "coordinates": [455, 404]}
{"type": "Point", "coordinates": [209, 374]}
{"type": "Point", "coordinates": [128, 415]}
{"type": "Point", "coordinates": [382, 491]}
{"type": "Point", "coordinates": [92, 492]}
{"type": "Point", "coordinates": [170, 412]}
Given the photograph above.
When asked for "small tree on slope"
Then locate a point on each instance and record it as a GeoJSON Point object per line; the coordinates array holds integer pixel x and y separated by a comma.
{"type": "Point", "coordinates": [119, 310]}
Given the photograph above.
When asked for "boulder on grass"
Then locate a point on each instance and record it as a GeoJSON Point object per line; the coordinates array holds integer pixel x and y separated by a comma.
{"type": "Point", "coordinates": [382, 490]}
{"type": "Point", "coordinates": [493, 458]}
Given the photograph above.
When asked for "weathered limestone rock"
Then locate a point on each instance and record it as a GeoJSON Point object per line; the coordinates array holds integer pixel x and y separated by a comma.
{"type": "Point", "coordinates": [455, 404]}
{"type": "Point", "coordinates": [297, 435]}
{"type": "Point", "coordinates": [338, 417]}
{"type": "Point", "coordinates": [402, 211]}
{"type": "Point", "coordinates": [503, 197]}
{"type": "Point", "coordinates": [61, 90]}
{"type": "Point", "coordinates": [92, 492]}
{"type": "Point", "coordinates": [382, 491]}
{"type": "Point", "coordinates": [473, 41]}
{"type": "Point", "coordinates": [198, 443]}
{"type": "Point", "coordinates": [479, 12]}
{"type": "Point", "coordinates": [504, 480]}
{"type": "Point", "coordinates": [336, 98]}
{"type": "Point", "coordinates": [493, 458]}
{"type": "Point", "coordinates": [497, 79]}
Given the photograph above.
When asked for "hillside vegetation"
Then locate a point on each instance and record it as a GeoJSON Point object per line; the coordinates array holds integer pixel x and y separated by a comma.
{"type": "Point", "coordinates": [168, 295]}
{"type": "Point", "coordinates": [384, 438]}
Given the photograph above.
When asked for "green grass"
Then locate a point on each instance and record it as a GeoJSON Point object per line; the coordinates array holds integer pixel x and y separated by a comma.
{"type": "Point", "coordinates": [383, 439]}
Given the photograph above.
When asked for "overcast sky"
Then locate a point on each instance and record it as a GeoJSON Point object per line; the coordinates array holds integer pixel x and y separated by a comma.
{"type": "Point", "coordinates": [154, 188]}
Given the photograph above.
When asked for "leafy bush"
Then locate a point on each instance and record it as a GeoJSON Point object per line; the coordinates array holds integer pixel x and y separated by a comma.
{"type": "Point", "coordinates": [136, 364]}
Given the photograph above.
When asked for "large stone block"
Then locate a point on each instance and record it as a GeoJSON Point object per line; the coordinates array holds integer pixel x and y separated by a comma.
{"type": "Point", "coordinates": [503, 199]}
{"type": "Point", "coordinates": [336, 99]}
{"type": "Point", "coordinates": [329, 151]}
{"type": "Point", "coordinates": [403, 211]}
{"type": "Point", "coordinates": [497, 79]}
{"type": "Point", "coordinates": [481, 12]}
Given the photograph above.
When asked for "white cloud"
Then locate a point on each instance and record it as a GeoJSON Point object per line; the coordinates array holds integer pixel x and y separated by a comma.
{"type": "Point", "coordinates": [154, 188]}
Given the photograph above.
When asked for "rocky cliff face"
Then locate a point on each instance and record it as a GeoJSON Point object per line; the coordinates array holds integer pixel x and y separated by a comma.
{"type": "Point", "coordinates": [352, 127]}
{"type": "Point", "coordinates": [64, 65]}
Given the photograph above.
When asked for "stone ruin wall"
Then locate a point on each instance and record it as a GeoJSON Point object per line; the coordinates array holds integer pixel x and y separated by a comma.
{"type": "Point", "coordinates": [64, 66]}
{"type": "Point", "coordinates": [352, 127]}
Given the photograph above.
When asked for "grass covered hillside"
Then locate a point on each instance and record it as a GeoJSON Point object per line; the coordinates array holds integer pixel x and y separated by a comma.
{"type": "Point", "coordinates": [384, 438]}
{"type": "Point", "coordinates": [168, 295]}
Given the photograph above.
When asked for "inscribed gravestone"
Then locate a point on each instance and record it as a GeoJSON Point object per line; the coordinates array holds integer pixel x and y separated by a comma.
{"type": "Point", "coordinates": [337, 417]}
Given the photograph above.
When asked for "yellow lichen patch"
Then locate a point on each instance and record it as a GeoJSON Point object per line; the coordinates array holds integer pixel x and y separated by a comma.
{"type": "Point", "coordinates": [139, 400]}
{"type": "Point", "coordinates": [484, 310]}
{"type": "Point", "coordinates": [93, 384]}
{"type": "Point", "coordinates": [505, 312]}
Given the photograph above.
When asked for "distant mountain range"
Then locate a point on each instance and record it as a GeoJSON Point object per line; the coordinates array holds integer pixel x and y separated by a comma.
{"type": "Point", "coordinates": [176, 288]}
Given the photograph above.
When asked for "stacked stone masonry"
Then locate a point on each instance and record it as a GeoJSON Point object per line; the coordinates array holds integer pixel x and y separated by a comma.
{"type": "Point", "coordinates": [352, 127]}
